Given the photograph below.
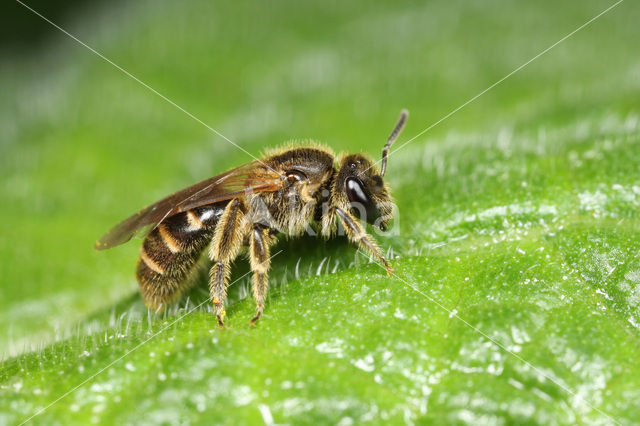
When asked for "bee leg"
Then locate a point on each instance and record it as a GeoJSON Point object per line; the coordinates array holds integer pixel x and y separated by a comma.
{"type": "Point", "coordinates": [218, 289]}
{"type": "Point", "coordinates": [227, 241]}
{"type": "Point", "coordinates": [356, 233]}
{"type": "Point", "coordinates": [260, 264]}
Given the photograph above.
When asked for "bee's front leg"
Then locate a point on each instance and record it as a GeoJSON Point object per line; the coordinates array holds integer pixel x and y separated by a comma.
{"type": "Point", "coordinates": [227, 241]}
{"type": "Point", "coordinates": [260, 240]}
{"type": "Point", "coordinates": [357, 234]}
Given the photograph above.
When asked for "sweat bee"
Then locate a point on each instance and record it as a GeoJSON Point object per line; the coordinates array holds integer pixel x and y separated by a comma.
{"type": "Point", "coordinates": [248, 206]}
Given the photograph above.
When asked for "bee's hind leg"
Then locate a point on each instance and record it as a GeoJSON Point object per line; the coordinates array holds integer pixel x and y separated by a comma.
{"type": "Point", "coordinates": [260, 240]}
{"type": "Point", "coordinates": [227, 241]}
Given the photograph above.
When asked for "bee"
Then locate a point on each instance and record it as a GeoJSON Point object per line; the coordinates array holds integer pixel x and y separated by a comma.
{"type": "Point", "coordinates": [248, 207]}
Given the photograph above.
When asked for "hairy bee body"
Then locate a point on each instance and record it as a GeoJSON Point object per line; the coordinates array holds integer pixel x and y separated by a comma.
{"type": "Point", "coordinates": [246, 207]}
{"type": "Point", "coordinates": [170, 251]}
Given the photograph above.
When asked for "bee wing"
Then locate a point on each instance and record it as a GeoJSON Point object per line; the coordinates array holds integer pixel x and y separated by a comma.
{"type": "Point", "coordinates": [226, 186]}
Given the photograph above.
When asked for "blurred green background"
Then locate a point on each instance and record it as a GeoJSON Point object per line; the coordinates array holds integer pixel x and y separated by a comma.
{"type": "Point", "coordinates": [519, 213]}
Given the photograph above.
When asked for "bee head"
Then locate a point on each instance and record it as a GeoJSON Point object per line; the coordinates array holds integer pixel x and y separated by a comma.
{"type": "Point", "coordinates": [361, 184]}
{"type": "Point", "coordinates": [361, 189]}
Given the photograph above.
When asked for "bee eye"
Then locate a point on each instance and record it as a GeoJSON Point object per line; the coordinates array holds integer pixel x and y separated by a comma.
{"type": "Point", "coordinates": [352, 165]}
{"type": "Point", "coordinates": [362, 206]}
{"type": "Point", "coordinates": [355, 192]}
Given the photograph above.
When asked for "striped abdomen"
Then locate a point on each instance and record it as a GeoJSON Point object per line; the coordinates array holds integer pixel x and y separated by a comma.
{"type": "Point", "coordinates": [170, 251]}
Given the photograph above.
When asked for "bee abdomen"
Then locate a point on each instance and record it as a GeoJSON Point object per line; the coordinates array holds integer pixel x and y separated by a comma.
{"type": "Point", "coordinates": [170, 251]}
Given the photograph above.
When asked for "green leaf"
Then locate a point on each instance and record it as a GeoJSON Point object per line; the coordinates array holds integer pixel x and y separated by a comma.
{"type": "Point", "coordinates": [516, 291]}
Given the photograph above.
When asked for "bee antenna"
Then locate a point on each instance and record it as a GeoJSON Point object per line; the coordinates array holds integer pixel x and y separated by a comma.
{"type": "Point", "coordinates": [404, 114]}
